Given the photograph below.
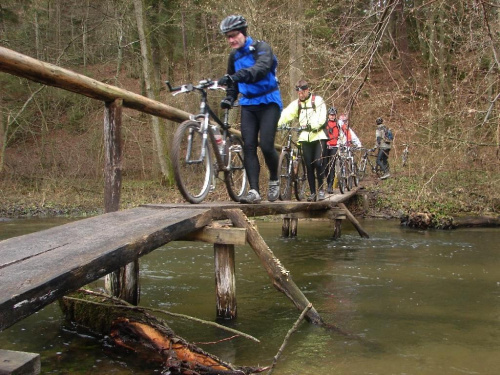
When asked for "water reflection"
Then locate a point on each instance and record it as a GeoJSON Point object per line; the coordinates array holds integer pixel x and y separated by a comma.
{"type": "Point", "coordinates": [423, 303]}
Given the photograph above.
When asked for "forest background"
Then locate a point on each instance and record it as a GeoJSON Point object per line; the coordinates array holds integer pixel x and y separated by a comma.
{"type": "Point", "coordinates": [429, 68]}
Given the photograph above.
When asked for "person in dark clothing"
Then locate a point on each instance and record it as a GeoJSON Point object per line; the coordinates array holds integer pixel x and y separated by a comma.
{"type": "Point", "coordinates": [384, 147]}
{"type": "Point", "coordinates": [251, 72]}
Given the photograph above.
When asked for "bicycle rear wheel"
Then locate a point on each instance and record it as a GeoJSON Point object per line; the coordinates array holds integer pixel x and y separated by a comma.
{"type": "Point", "coordinates": [285, 170]}
{"type": "Point", "coordinates": [236, 177]}
{"type": "Point", "coordinates": [300, 180]}
{"type": "Point", "coordinates": [193, 172]}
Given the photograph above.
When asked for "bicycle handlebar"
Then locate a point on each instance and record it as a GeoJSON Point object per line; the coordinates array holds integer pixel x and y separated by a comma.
{"type": "Point", "coordinates": [202, 85]}
{"type": "Point", "coordinates": [288, 127]}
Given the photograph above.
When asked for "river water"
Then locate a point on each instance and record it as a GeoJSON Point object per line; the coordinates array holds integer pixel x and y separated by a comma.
{"type": "Point", "coordinates": [405, 301]}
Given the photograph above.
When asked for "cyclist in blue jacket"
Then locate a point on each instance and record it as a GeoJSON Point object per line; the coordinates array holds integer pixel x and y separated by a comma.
{"type": "Point", "coordinates": [251, 72]}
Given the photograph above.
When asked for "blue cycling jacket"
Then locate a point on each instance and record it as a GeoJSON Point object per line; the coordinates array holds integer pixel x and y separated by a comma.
{"type": "Point", "coordinates": [253, 67]}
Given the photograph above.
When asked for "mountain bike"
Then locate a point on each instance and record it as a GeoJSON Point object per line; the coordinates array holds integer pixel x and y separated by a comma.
{"type": "Point", "coordinates": [369, 158]}
{"type": "Point", "coordinates": [291, 168]}
{"type": "Point", "coordinates": [196, 142]}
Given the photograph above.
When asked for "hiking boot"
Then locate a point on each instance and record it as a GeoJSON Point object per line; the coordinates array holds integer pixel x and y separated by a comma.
{"type": "Point", "coordinates": [321, 195]}
{"type": "Point", "coordinates": [253, 196]}
{"type": "Point", "coordinates": [312, 198]}
{"type": "Point", "coordinates": [329, 189]}
{"type": "Point", "coordinates": [385, 176]}
{"type": "Point", "coordinates": [274, 191]}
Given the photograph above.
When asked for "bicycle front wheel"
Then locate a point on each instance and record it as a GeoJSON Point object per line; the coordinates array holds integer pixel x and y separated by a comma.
{"type": "Point", "coordinates": [355, 174]}
{"type": "Point", "coordinates": [236, 177]}
{"type": "Point", "coordinates": [285, 170]}
{"type": "Point", "coordinates": [300, 180]}
{"type": "Point", "coordinates": [192, 164]}
{"type": "Point", "coordinates": [362, 168]}
{"type": "Point", "coordinates": [341, 177]}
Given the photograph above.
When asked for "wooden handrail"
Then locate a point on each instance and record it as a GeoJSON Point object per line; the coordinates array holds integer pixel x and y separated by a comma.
{"type": "Point", "coordinates": [49, 74]}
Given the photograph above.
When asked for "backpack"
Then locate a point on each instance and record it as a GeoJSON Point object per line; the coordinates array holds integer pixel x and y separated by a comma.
{"type": "Point", "coordinates": [388, 135]}
{"type": "Point", "coordinates": [313, 105]}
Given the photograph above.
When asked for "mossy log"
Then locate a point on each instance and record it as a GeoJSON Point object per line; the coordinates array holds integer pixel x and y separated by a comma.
{"type": "Point", "coordinates": [143, 334]}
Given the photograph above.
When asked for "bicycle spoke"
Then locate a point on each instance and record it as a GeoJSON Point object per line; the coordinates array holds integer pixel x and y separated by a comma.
{"type": "Point", "coordinates": [285, 175]}
{"type": "Point", "coordinates": [236, 177]}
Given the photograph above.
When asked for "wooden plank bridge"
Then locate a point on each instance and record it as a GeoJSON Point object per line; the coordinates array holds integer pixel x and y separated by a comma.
{"type": "Point", "coordinates": [38, 268]}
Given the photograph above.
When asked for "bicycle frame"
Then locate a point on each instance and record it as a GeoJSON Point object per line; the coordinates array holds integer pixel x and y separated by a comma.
{"type": "Point", "coordinates": [204, 119]}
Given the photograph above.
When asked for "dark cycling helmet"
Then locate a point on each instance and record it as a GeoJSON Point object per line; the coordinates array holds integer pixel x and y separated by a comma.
{"type": "Point", "coordinates": [233, 22]}
{"type": "Point", "coordinates": [332, 111]}
{"type": "Point", "coordinates": [379, 121]}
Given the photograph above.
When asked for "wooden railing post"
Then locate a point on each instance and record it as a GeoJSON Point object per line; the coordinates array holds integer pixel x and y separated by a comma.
{"type": "Point", "coordinates": [225, 281]}
{"type": "Point", "coordinates": [123, 283]}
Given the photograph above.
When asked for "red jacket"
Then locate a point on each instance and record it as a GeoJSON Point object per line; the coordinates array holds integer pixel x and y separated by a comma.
{"type": "Point", "coordinates": [332, 131]}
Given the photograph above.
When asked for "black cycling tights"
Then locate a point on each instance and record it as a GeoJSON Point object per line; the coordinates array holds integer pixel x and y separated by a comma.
{"type": "Point", "coordinates": [263, 119]}
{"type": "Point", "coordinates": [314, 153]}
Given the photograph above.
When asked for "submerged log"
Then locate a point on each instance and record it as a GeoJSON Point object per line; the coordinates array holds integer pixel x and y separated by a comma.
{"type": "Point", "coordinates": [141, 333]}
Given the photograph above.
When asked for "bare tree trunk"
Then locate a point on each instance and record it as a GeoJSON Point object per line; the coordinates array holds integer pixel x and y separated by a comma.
{"type": "Point", "coordinates": [296, 67]}
{"type": "Point", "coordinates": [150, 90]}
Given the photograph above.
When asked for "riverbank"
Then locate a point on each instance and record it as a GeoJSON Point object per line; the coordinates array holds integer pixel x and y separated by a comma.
{"type": "Point", "coordinates": [395, 198]}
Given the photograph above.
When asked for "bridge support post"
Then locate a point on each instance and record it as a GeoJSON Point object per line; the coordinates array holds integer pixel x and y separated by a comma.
{"type": "Point", "coordinates": [337, 215]}
{"type": "Point", "coordinates": [225, 281]}
{"type": "Point", "coordinates": [289, 227]}
{"type": "Point", "coordinates": [122, 283]}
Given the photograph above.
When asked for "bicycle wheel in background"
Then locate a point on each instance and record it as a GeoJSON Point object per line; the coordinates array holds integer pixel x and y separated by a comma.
{"type": "Point", "coordinates": [341, 178]}
{"type": "Point", "coordinates": [193, 174]}
{"type": "Point", "coordinates": [236, 177]}
{"type": "Point", "coordinates": [362, 167]}
{"type": "Point", "coordinates": [300, 181]}
{"type": "Point", "coordinates": [285, 175]}
{"type": "Point", "coordinates": [354, 173]}
{"type": "Point", "coordinates": [348, 175]}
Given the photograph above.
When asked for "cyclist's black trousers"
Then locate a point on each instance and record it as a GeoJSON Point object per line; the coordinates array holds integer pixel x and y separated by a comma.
{"type": "Point", "coordinates": [330, 166]}
{"type": "Point", "coordinates": [263, 119]}
{"type": "Point", "coordinates": [314, 153]}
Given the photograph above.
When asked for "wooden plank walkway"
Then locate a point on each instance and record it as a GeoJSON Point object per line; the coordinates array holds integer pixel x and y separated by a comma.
{"type": "Point", "coordinates": [38, 268]}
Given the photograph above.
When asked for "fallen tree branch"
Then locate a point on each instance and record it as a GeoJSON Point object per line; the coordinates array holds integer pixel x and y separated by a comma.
{"type": "Point", "coordinates": [144, 335]}
{"type": "Point", "coordinates": [289, 333]}
{"type": "Point", "coordinates": [152, 309]}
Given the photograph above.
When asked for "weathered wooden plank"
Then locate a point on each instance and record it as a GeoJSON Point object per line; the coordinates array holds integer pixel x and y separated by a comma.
{"type": "Point", "coordinates": [221, 236]}
{"type": "Point", "coordinates": [38, 268]}
{"type": "Point", "coordinates": [264, 208]}
{"type": "Point", "coordinates": [12, 362]}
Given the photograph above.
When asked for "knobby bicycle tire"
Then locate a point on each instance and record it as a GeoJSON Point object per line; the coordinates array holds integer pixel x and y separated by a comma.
{"type": "Point", "coordinates": [354, 173]}
{"type": "Point", "coordinates": [236, 177]}
{"type": "Point", "coordinates": [348, 174]}
{"type": "Point", "coordinates": [340, 170]}
{"type": "Point", "coordinates": [193, 174]}
{"type": "Point", "coordinates": [300, 179]}
{"type": "Point", "coordinates": [285, 175]}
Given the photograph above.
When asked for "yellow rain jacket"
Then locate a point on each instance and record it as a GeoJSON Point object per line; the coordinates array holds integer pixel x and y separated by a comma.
{"type": "Point", "coordinates": [312, 118]}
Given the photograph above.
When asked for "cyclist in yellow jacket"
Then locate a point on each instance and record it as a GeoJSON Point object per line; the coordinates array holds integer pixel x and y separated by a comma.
{"type": "Point", "coordinates": [310, 110]}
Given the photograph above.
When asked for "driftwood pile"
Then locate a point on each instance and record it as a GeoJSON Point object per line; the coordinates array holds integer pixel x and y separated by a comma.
{"type": "Point", "coordinates": [141, 333]}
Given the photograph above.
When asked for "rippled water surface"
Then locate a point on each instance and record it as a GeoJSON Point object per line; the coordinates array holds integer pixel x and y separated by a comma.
{"type": "Point", "coordinates": [404, 301]}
